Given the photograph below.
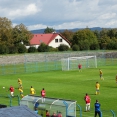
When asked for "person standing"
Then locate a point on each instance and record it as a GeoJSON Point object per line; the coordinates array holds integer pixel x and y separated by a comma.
{"type": "Point", "coordinates": [20, 83]}
{"type": "Point", "coordinates": [11, 90]}
{"type": "Point", "coordinates": [101, 74]}
{"type": "Point", "coordinates": [79, 67]}
{"type": "Point", "coordinates": [87, 100]}
{"type": "Point", "coordinates": [97, 88]}
{"type": "Point", "coordinates": [43, 94]}
{"type": "Point", "coordinates": [32, 91]}
{"type": "Point", "coordinates": [97, 109]}
{"type": "Point", "coordinates": [21, 92]}
{"type": "Point", "coordinates": [59, 114]}
{"type": "Point", "coordinates": [47, 113]}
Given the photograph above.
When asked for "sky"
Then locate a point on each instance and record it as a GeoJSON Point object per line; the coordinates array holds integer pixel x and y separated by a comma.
{"type": "Point", "coordinates": [60, 14]}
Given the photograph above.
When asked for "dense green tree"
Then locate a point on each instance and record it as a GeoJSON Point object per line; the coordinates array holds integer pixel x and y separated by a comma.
{"type": "Point", "coordinates": [49, 30]}
{"type": "Point", "coordinates": [5, 31]}
{"type": "Point", "coordinates": [21, 34]}
{"type": "Point", "coordinates": [4, 49]}
{"type": "Point", "coordinates": [68, 35]}
{"type": "Point", "coordinates": [103, 41]}
{"type": "Point", "coordinates": [112, 33]}
{"type": "Point", "coordinates": [85, 39]}
{"type": "Point", "coordinates": [13, 49]}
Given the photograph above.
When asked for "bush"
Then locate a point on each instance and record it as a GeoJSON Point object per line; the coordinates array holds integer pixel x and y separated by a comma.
{"type": "Point", "coordinates": [75, 47]}
{"type": "Point", "coordinates": [32, 49]}
{"type": "Point", "coordinates": [21, 48]}
{"type": "Point", "coordinates": [63, 47]}
{"type": "Point", "coordinates": [4, 49]}
{"type": "Point", "coordinates": [12, 50]}
{"type": "Point", "coordinates": [43, 48]}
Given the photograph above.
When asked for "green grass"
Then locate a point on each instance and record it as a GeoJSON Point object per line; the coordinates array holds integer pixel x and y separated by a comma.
{"type": "Point", "coordinates": [71, 85]}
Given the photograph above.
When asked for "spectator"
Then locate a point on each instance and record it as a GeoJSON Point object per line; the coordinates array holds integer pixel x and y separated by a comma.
{"type": "Point", "coordinates": [36, 110]}
{"type": "Point", "coordinates": [97, 109]}
{"type": "Point", "coordinates": [59, 114]}
{"type": "Point", "coordinates": [54, 115]}
{"type": "Point", "coordinates": [87, 100]}
{"type": "Point", "coordinates": [47, 113]}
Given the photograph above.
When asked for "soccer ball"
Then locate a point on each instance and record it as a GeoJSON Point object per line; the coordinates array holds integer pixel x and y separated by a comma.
{"type": "Point", "coordinates": [3, 87]}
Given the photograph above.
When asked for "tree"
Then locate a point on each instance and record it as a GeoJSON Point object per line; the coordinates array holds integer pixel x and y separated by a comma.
{"type": "Point", "coordinates": [5, 31]}
{"type": "Point", "coordinates": [49, 30]}
{"type": "Point", "coordinates": [21, 34]}
{"type": "Point", "coordinates": [4, 49]}
{"type": "Point", "coordinates": [68, 34]}
{"type": "Point", "coordinates": [85, 39]}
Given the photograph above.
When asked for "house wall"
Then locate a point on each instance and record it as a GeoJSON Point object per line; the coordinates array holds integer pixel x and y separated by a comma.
{"type": "Point", "coordinates": [57, 44]}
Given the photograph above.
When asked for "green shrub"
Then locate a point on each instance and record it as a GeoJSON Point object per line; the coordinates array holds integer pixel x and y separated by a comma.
{"type": "Point", "coordinates": [21, 48]}
{"type": "Point", "coordinates": [75, 47]}
{"type": "Point", "coordinates": [43, 48]}
{"type": "Point", "coordinates": [12, 49]}
{"type": "Point", "coordinates": [63, 47]}
{"type": "Point", "coordinates": [32, 49]}
{"type": "Point", "coordinates": [4, 49]}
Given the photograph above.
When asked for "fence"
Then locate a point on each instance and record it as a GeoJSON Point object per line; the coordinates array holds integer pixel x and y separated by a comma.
{"type": "Point", "coordinates": [10, 101]}
{"type": "Point", "coordinates": [27, 63]}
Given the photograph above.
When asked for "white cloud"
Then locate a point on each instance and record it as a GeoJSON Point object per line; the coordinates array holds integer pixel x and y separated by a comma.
{"type": "Point", "coordinates": [108, 16]}
{"type": "Point", "coordinates": [31, 9]}
{"type": "Point", "coordinates": [59, 14]}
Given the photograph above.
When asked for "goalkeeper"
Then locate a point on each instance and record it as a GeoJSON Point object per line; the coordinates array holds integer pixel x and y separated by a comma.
{"type": "Point", "coordinates": [79, 67]}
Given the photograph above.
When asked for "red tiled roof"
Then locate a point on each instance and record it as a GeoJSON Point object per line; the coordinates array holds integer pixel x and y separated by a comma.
{"type": "Point", "coordinates": [44, 38]}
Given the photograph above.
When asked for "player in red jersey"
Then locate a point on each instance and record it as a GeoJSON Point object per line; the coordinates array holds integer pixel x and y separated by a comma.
{"type": "Point", "coordinates": [79, 67]}
{"type": "Point", "coordinates": [87, 100]}
{"type": "Point", "coordinates": [11, 89]}
{"type": "Point", "coordinates": [43, 94]}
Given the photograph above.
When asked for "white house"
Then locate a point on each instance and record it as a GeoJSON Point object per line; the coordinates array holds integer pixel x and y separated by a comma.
{"type": "Point", "coordinates": [51, 39]}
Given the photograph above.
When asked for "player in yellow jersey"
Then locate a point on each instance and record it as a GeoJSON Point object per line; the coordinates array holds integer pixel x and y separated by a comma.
{"type": "Point", "coordinates": [21, 92]}
{"type": "Point", "coordinates": [20, 83]}
{"type": "Point", "coordinates": [97, 88]}
{"type": "Point", "coordinates": [32, 91]}
{"type": "Point", "coordinates": [101, 74]}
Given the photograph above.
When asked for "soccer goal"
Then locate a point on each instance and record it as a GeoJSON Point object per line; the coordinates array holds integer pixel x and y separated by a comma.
{"type": "Point", "coordinates": [71, 63]}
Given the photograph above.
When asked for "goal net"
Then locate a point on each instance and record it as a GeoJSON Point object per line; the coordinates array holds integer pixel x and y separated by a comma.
{"type": "Point", "coordinates": [72, 63]}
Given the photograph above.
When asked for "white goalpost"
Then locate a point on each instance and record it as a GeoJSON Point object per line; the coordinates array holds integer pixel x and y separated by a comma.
{"type": "Point", "coordinates": [71, 63]}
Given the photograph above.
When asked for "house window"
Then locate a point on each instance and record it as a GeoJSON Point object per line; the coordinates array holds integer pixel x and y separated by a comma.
{"type": "Point", "coordinates": [60, 40]}
{"type": "Point", "coordinates": [56, 40]}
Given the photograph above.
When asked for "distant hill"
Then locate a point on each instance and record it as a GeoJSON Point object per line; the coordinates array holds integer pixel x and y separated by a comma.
{"type": "Point", "coordinates": [61, 30]}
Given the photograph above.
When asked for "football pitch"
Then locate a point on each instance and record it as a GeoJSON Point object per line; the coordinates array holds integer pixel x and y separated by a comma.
{"type": "Point", "coordinates": [71, 85]}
